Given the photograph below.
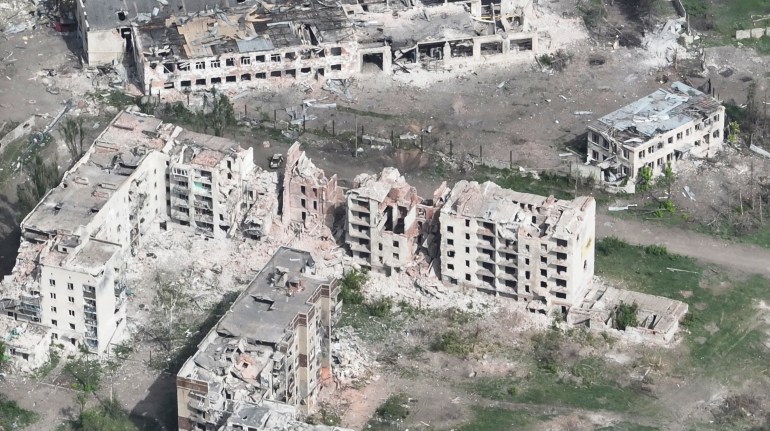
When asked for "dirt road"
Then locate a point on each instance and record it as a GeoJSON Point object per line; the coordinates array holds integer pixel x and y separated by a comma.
{"type": "Point", "coordinates": [744, 258]}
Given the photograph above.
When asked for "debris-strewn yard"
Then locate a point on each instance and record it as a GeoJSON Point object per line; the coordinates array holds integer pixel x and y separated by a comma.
{"type": "Point", "coordinates": [491, 367]}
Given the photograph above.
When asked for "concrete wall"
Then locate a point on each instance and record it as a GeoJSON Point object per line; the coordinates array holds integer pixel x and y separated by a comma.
{"type": "Point", "coordinates": [104, 47]}
{"type": "Point", "coordinates": [247, 70]}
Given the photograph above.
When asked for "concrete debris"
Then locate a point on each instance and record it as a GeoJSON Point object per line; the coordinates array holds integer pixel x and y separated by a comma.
{"type": "Point", "coordinates": [622, 208]}
{"type": "Point", "coordinates": [352, 365]}
{"type": "Point", "coordinates": [340, 87]}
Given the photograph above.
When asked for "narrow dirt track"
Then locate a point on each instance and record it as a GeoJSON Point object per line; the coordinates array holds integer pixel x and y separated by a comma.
{"type": "Point", "coordinates": [741, 257]}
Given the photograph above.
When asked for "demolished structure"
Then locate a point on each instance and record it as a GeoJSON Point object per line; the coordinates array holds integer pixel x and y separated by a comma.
{"type": "Point", "coordinates": [269, 354]}
{"type": "Point", "coordinates": [309, 197]}
{"type": "Point", "coordinates": [70, 271]}
{"type": "Point", "coordinates": [656, 131]}
{"type": "Point", "coordinates": [658, 317]}
{"type": "Point", "coordinates": [387, 222]}
{"type": "Point", "coordinates": [187, 45]}
{"type": "Point", "coordinates": [518, 245]}
{"type": "Point", "coordinates": [27, 344]}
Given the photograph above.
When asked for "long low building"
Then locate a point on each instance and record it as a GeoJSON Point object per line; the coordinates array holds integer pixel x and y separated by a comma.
{"type": "Point", "coordinates": [188, 45]}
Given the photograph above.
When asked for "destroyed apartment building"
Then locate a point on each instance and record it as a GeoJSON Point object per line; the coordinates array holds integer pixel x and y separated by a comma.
{"type": "Point", "coordinates": [522, 246]}
{"type": "Point", "coordinates": [268, 357]}
{"type": "Point", "coordinates": [75, 244]}
{"type": "Point", "coordinates": [657, 130]}
{"type": "Point", "coordinates": [309, 198]}
{"type": "Point", "coordinates": [387, 222]}
{"type": "Point", "coordinates": [193, 45]}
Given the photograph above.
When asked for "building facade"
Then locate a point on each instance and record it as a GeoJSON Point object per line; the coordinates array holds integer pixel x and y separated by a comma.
{"type": "Point", "coordinates": [387, 222]}
{"type": "Point", "coordinates": [656, 131]}
{"type": "Point", "coordinates": [308, 196]}
{"type": "Point", "coordinates": [517, 245]}
{"type": "Point", "coordinates": [70, 270]}
{"type": "Point", "coordinates": [275, 342]}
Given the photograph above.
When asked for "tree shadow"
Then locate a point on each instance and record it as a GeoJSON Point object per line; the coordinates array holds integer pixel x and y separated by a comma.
{"type": "Point", "coordinates": [157, 411]}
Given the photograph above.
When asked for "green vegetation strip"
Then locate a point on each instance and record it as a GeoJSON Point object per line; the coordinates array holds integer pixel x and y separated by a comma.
{"type": "Point", "coordinates": [496, 419]}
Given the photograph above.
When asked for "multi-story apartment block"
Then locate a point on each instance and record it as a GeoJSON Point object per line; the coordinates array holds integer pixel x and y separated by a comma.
{"type": "Point", "coordinates": [209, 179]}
{"type": "Point", "coordinates": [69, 273]}
{"type": "Point", "coordinates": [387, 221]}
{"type": "Point", "coordinates": [271, 347]}
{"type": "Point", "coordinates": [655, 131]}
{"type": "Point", "coordinates": [308, 196]}
{"type": "Point", "coordinates": [522, 246]}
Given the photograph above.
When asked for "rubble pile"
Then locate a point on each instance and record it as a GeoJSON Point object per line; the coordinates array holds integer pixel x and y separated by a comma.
{"type": "Point", "coordinates": [351, 363]}
{"type": "Point", "coordinates": [17, 16]}
{"type": "Point", "coordinates": [426, 291]}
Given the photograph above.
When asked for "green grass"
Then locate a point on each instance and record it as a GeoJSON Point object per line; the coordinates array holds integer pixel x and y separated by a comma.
{"type": "Point", "coordinates": [759, 236]}
{"type": "Point", "coordinates": [736, 349]}
{"type": "Point", "coordinates": [728, 15]}
{"type": "Point", "coordinates": [544, 388]}
{"type": "Point", "coordinates": [560, 186]}
{"type": "Point", "coordinates": [13, 417]}
{"type": "Point", "coordinates": [496, 419]}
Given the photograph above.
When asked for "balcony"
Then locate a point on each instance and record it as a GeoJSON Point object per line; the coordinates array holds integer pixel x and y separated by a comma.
{"type": "Point", "coordinates": [89, 309]}
{"type": "Point", "coordinates": [355, 233]}
{"type": "Point", "coordinates": [197, 404]}
{"type": "Point", "coordinates": [89, 295]}
{"type": "Point", "coordinates": [202, 204]}
{"type": "Point", "coordinates": [360, 247]}
{"type": "Point", "coordinates": [206, 218]}
{"type": "Point", "coordinates": [202, 191]}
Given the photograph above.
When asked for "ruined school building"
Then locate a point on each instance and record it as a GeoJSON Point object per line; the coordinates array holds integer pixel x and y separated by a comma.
{"type": "Point", "coordinates": [387, 222]}
{"type": "Point", "coordinates": [522, 246]}
{"type": "Point", "coordinates": [656, 130]}
{"type": "Point", "coordinates": [194, 44]}
{"type": "Point", "coordinates": [140, 175]}
{"type": "Point", "coordinates": [268, 357]}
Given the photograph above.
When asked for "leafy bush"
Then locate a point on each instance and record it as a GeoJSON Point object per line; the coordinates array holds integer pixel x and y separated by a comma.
{"type": "Point", "coordinates": [625, 316]}
{"type": "Point", "coordinates": [13, 417]}
{"type": "Point", "coordinates": [454, 343]}
{"type": "Point", "coordinates": [380, 307]}
{"type": "Point", "coordinates": [656, 250]}
{"type": "Point", "coordinates": [545, 348]}
{"type": "Point", "coordinates": [609, 245]}
{"type": "Point", "coordinates": [395, 408]}
{"type": "Point", "coordinates": [351, 286]}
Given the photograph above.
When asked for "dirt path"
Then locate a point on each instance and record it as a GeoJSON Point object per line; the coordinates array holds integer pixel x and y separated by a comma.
{"type": "Point", "coordinates": [745, 258]}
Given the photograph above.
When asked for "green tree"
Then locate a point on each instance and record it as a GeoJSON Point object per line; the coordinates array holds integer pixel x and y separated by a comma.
{"type": "Point", "coordinates": [645, 179]}
{"type": "Point", "coordinates": [72, 129]}
{"type": "Point", "coordinates": [666, 182]}
{"type": "Point", "coordinates": [735, 131]}
{"type": "Point", "coordinates": [351, 287]}
{"type": "Point", "coordinates": [222, 114]}
{"type": "Point", "coordinates": [42, 178]}
{"type": "Point", "coordinates": [108, 416]}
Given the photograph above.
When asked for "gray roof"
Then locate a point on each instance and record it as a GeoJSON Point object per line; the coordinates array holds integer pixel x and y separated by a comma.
{"type": "Point", "coordinates": [265, 310]}
{"type": "Point", "coordinates": [659, 112]}
{"type": "Point", "coordinates": [104, 14]}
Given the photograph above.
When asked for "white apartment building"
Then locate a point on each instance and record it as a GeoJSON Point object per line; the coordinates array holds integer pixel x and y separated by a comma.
{"type": "Point", "coordinates": [69, 273]}
{"type": "Point", "coordinates": [522, 246]}
{"type": "Point", "coordinates": [656, 130]}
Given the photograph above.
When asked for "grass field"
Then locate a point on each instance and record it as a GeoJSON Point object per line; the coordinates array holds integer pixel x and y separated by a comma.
{"type": "Point", "coordinates": [727, 16]}
{"type": "Point", "coordinates": [715, 298]}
